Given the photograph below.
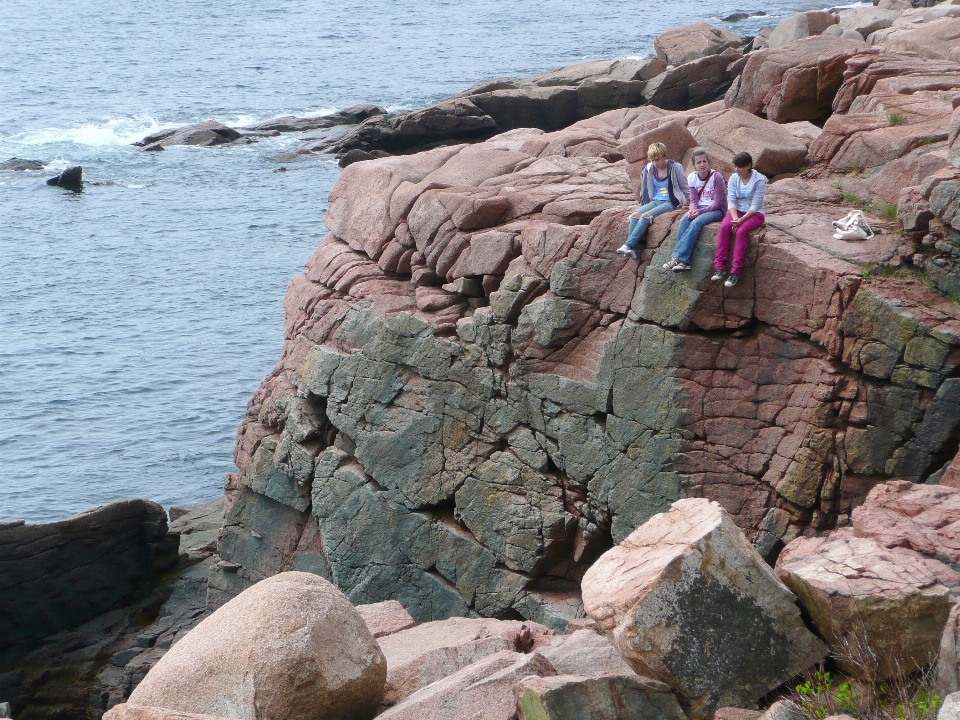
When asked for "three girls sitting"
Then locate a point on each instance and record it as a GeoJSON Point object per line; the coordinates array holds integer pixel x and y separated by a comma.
{"type": "Point", "coordinates": [708, 197]}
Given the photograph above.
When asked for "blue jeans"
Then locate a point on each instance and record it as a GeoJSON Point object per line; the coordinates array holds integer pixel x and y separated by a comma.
{"type": "Point", "coordinates": [689, 231]}
{"type": "Point", "coordinates": [638, 226]}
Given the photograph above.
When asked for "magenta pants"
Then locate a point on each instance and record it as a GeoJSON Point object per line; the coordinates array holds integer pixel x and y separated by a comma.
{"type": "Point", "coordinates": [740, 245]}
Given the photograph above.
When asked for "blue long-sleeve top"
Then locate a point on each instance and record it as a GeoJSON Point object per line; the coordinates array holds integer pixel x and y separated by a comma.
{"type": "Point", "coordinates": [746, 196]}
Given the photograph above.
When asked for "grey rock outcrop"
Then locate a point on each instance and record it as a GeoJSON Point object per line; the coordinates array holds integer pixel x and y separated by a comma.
{"type": "Point", "coordinates": [688, 601]}
{"type": "Point", "coordinates": [20, 165]}
{"type": "Point", "coordinates": [209, 133]}
{"type": "Point", "coordinates": [289, 123]}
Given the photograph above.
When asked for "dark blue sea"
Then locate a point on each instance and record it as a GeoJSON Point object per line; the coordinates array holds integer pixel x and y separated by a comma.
{"type": "Point", "coordinates": [137, 317]}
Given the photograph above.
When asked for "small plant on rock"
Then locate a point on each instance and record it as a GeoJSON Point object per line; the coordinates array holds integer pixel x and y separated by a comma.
{"type": "Point", "coordinates": [901, 691]}
{"type": "Point", "coordinates": [896, 119]}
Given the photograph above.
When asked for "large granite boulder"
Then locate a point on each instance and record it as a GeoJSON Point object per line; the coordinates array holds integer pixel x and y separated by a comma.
{"type": "Point", "coordinates": [597, 697]}
{"type": "Point", "coordinates": [59, 575]}
{"type": "Point", "coordinates": [480, 691]}
{"type": "Point", "coordinates": [800, 25]}
{"type": "Point", "coordinates": [430, 652]}
{"type": "Point", "coordinates": [691, 42]}
{"type": "Point", "coordinates": [289, 647]}
{"type": "Point", "coordinates": [687, 600]}
{"type": "Point", "coordinates": [385, 618]}
{"type": "Point", "coordinates": [922, 518]}
{"type": "Point", "coordinates": [693, 83]}
{"type": "Point", "coordinates": [774, 148]}
{"type": "Point", "coordinates": [866, 20]}
{"type": "Point", "coordinates": [881, 610]}
{"type": "Point", "coordinates": [795, 82]}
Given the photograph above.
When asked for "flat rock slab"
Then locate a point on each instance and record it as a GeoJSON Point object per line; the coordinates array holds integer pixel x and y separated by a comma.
{"type": "Point", "coordinates": [687, 600]}
{"type": "Point", "coordinates": [861, 595]}
{"type": "Point", "coordinates": [385, 618]}
{"type": "Point", "coordinates": [585, 652]}
{"type": "Point", "coordinates": [430, 652]}
{"type": "Point", "coordinates": [481, 691]}
{"type": "Point", "coordinates": [597, 697]}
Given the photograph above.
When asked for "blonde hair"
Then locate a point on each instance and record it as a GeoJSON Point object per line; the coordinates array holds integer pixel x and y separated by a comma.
{"type": "Point", "coordinates": [656, 151]}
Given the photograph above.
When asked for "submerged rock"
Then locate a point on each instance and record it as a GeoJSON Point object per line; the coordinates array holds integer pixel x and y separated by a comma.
{"type": "Point", "coordinates": [209, 133]}
{"type": "Point", "coordinates": [687, 600]}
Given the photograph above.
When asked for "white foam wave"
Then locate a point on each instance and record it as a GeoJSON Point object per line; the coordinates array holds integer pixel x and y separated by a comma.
{"type": "Point", "coordinates": [112, 131]}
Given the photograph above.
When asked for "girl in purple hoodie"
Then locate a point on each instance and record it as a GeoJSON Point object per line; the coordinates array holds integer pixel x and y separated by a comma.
{"type": "Point", "coordinates": [708, 202]}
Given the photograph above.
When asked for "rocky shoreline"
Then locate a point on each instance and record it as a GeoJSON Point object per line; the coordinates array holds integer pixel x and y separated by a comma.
{"type": "Point", "coordinates": [506, 445]}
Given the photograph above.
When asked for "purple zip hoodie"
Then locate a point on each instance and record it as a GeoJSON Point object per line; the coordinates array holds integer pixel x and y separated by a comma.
{"type": "Point", "coordinates": [715, 181]}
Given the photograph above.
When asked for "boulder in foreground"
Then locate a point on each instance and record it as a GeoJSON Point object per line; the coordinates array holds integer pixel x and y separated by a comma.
{"type": "Point", "coordinates": [687, 600]}
{"type": "Point", "coordinates": [290, 647]}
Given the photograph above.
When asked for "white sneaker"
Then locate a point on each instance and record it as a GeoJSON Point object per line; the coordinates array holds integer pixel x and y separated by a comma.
{"type": "Point", "coordinates": [717, 276]}
{"type": "Point", "coordinates": [627, 250]}
{"type": "Point", "coordinates": [731, 280]}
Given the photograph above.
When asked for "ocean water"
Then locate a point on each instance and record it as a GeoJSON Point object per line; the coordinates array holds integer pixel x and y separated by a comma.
{"type": "Point", "coordinates": [138, 317]}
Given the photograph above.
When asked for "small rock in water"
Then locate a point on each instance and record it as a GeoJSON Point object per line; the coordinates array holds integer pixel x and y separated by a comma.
{"type": "Point", "coordinates": [740, 16]}
{"type": "Point", "coordinates": [282, 168]}
{"type": "Point", "coordinates": [71, 179]}
{"type": "Point", "coordinates": [19, 164]}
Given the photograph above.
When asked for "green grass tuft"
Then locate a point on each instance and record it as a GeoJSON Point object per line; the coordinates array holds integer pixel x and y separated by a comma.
{"type": "Point", "coordinates": [896, 119]}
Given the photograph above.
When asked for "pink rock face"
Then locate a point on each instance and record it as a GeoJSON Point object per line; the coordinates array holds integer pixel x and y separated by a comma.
{"type": "Point", "coordinates": [478, 395]}
{"type": "Point", "coordinates": [889, 105]}
{"type": "Point", "coordinates": [689, 42]}
{"type": "Point", "coordinates": [794, 82]}
{"type": "Point", "coordinates": [126, 711]}
{"type": "Point", "coordinates": [882, 606]}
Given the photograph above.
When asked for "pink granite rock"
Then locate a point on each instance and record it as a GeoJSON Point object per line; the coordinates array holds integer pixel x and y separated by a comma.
{"type": "Point", "coordinates": [688, 575]}
{"type": "Point", "coordinates": [795, 82]}
{"type": "Point", "coordinates": [385, 618]}
{"type": "Point", "coordinates": [881, 610]}
{"type": "Point", "coordinates": [430, 652]}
